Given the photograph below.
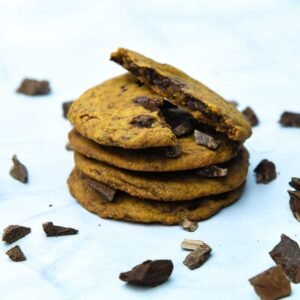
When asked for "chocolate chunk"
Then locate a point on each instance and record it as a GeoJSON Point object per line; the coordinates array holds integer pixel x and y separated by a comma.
{"type": "Point", "coordinates": [251, 116]}
{"type": "Point", "coordinates": [206, 140]}
{"type": "Point", "coordinates": [54, 230]}
{"type": "Point", "coordinates": [149, 103]}
{"type": "Point", "coordinates": [290, 119]}
{"type": "Point", "coordinates": [233, 102]}
{"type": "Point", "coordinates": [69, 147]}
{"type": "Point", "coordinates": [149, 273]}
{"type": "Point", "coordinates": [295, 183]}
{"type": "Point", "coordinates": [16, 254]}
{"type": "Point", "coordinates": [189, 226]}
{"type": "Point", "coordinates": [13, 233]}
{"type": "Point", "coordinates": [265, 171]}
{"type": "Point", "coordinates": [287, 255]}
{"type": "Point", "coordinates": [66, 106]}
{"type": "Point", "coordinates": [198, 256]}
{"type": "Point", "coordinates": [172, 152]}
{"type": "Point", "coordinates": [185, 128]}
{"type": "Point", "coordinates": [107, 192]}
{"type": "Point", "coordinates": [271, 284]}
{"type": "Point", "coordinates": [191, 244]}
{"type": "Point", "coordinates": [34, 87]}
{"type": "Point", "coordinates": [295, 203]}
{"type": "Point", "coordinates": [18, 170]}
{"type": "Point", "coordinates": [143, 121]}
{"type": "Point", "coordinates": [212, 171]}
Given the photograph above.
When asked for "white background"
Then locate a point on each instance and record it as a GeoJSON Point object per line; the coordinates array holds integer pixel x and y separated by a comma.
{"type": "Point", "coordinates": [245, 50]}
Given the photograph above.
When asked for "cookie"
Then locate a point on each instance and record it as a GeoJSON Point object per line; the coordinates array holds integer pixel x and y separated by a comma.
{"type": "Point", "coordinates": [128, 208]}
{"type": "Point", "coordinates": [110, 115]}
{"type": "Point", "coordinates": [168, 186]}
{"type": "Point", "coordinates": [153, 159]}
{"type": "Point", "coordinates": [203, 103]}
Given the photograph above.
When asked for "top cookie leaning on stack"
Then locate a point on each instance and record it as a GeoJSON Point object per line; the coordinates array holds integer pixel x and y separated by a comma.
{"type": "Point", "coordinates": [155, 145]}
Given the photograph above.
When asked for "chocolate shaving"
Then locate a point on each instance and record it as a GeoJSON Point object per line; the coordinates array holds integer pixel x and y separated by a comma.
{"type": "Point", "coordinates": [198, 256]}
{"type": "Point", "coordinates": [191, 244]}
{"type": "Point", "coordinates": [172, 152]}
{"type": "Point", "coordinates": [206, 140]}
{"type": "Point", "coordinates": [251, 116]}
{"type": "Point", "coordinates": [189, 226]}
{"type": "Point", "coordinates": [295, 203]}
{"type": "Point", "coordinates": [290, 119]}
{"type": "Point", "coordinates": [265, 171]}
{"type": "Point", "coordinates": [18, 170]}
{"type": "Point", "coordinates": [66, 106]}
{"type": "Point", "coordinates": [32, 87]}
{"type": "Point", "coordinates": [287, 255]}
{"type": "Point", "coordinates": [271, 284]}
{"type": "Point", "coordinates": [212, 171]}
{"type": "Point", "coordinates": [295, 183]}
{"type": "Point", "coordinates": [143, 121]}
{"type": "Point", "coordinates": [13, 233]}
{"type": "Point", "coordinates": [54, 230]}
{"type": "Point", "coordinates": [149, 273]}
{"type": "Point", "coordinates": [148, 103]}
{"type": "Point", "coordinates": [107, 192]}
{"type": "Point", "coordinates": [16, 254]}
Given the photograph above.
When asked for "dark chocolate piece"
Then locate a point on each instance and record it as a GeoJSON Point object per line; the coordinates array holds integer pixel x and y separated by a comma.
{"type": "Point", "coordinates": [198, 256]}
{"type": "Point", "coordinates": [107, 192]}
{"type": "Point", "coordinates": [143, 121]}
{"type": "Point", "coordinates": [32, 87]}
{"type": "Point", "coordinates": [290, 119]}
{"type": "Point", "coordinates": [212, 171]}
{"type": "Point", "coordinates": [251, 116]}
{"type": "Point", "coordinates": [149, 273]}
{"type": "Point", "coordinates": [13, 233]}
{"type": "Point", "coordinates": [69, 147]}
{"type": "Point", "coordinates": [295, 183]}
{"type": "Point", "coordinates": [189, 225]}
{"type": "Point", "coordinates": [287, 255]}
{"type": "Point", "coordinates": [206, 140]}
{"type": "Point", "coordinates": [149, 103]}
{"type": "Point", "coordinates": [172, 152]}
{"type": "Point", "coordinates": [295, 203]}
{"type": "Point", "coordinates": [18, 170]}
{"type": "Point", "coordinates": [265, 171]}
{"type": "Point", "coordinates": [66, 106]}
{"type": "Point", "coordinates": [185, 128]}
{"type": "Point", "coordinates": [54, 230]}
{"type": "Point", "coordinates": [271, 284]}
{"type": "Point", "coordinates": [16, 254]}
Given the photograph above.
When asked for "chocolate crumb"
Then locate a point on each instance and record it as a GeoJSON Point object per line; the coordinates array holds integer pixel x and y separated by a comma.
{"type": "Point", "coordinates": [54, 230]}
{"type": "Point", "coordinates": [295, 183]}
{"type": "Point", "coordinates": [287, 255]}
{"type": "Point", "coordinates": [66, 106]}
{"type": "Point", "coordinates": [295, 203]}
{"type": "Point", "coordinates": [32, 87]}
{"type": "Point", "coordinates": [271, 284]}
{"type": "Point", "coordinates": [148, 103]}
{"type": "Point", "coordinates": [251, 116]}
{"type": "Point", "coordinates": [189, 226]}
{"type": "Point", "coordinates": [149, 273]}
{"type": "Point", "coordinates": [290, 119]}
{"type": "Point", "coordinates": [187, 244]}
{"type": "Point", "coordinates": [265, 171]}
{"type": "Point", "coordinates": [143, 121]}
{"type": "Point", "coordinates": [16, 254]}
{"type": "Point", "coordinates": [18, 170]}
{"type": "Point", "coordinates": [212, 171]}
{"type": "Point", "coordinates": [206, 140]}
{"type": "Point", "coordinates": [172, 152]}
{"type": "Point", "coordinates": [107, 192]}
{"type": "Point", "coordinates": [13, 233]}
{"type": "Point", "coordinates": [198, 256]}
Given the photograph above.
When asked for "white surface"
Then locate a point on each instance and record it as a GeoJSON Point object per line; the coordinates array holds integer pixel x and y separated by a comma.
{"type": "Point", "coordinates": [245, 50]}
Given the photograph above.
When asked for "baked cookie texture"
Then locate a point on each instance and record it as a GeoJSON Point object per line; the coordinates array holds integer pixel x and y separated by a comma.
{"type": "Point", "coordinates": [169, 186]}
{"type": "Point", "coordinates": [132, 209]}
{"type": "Point", "coordinates": [204, 104]}
{"type": "Point", "coordinates": [153, 159]}
{"type": "Point", "coordinates": [107, 112]}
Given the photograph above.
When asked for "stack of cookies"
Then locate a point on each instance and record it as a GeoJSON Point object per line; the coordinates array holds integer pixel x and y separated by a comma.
{"type": "Point", "coordinates": [156, 146]}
